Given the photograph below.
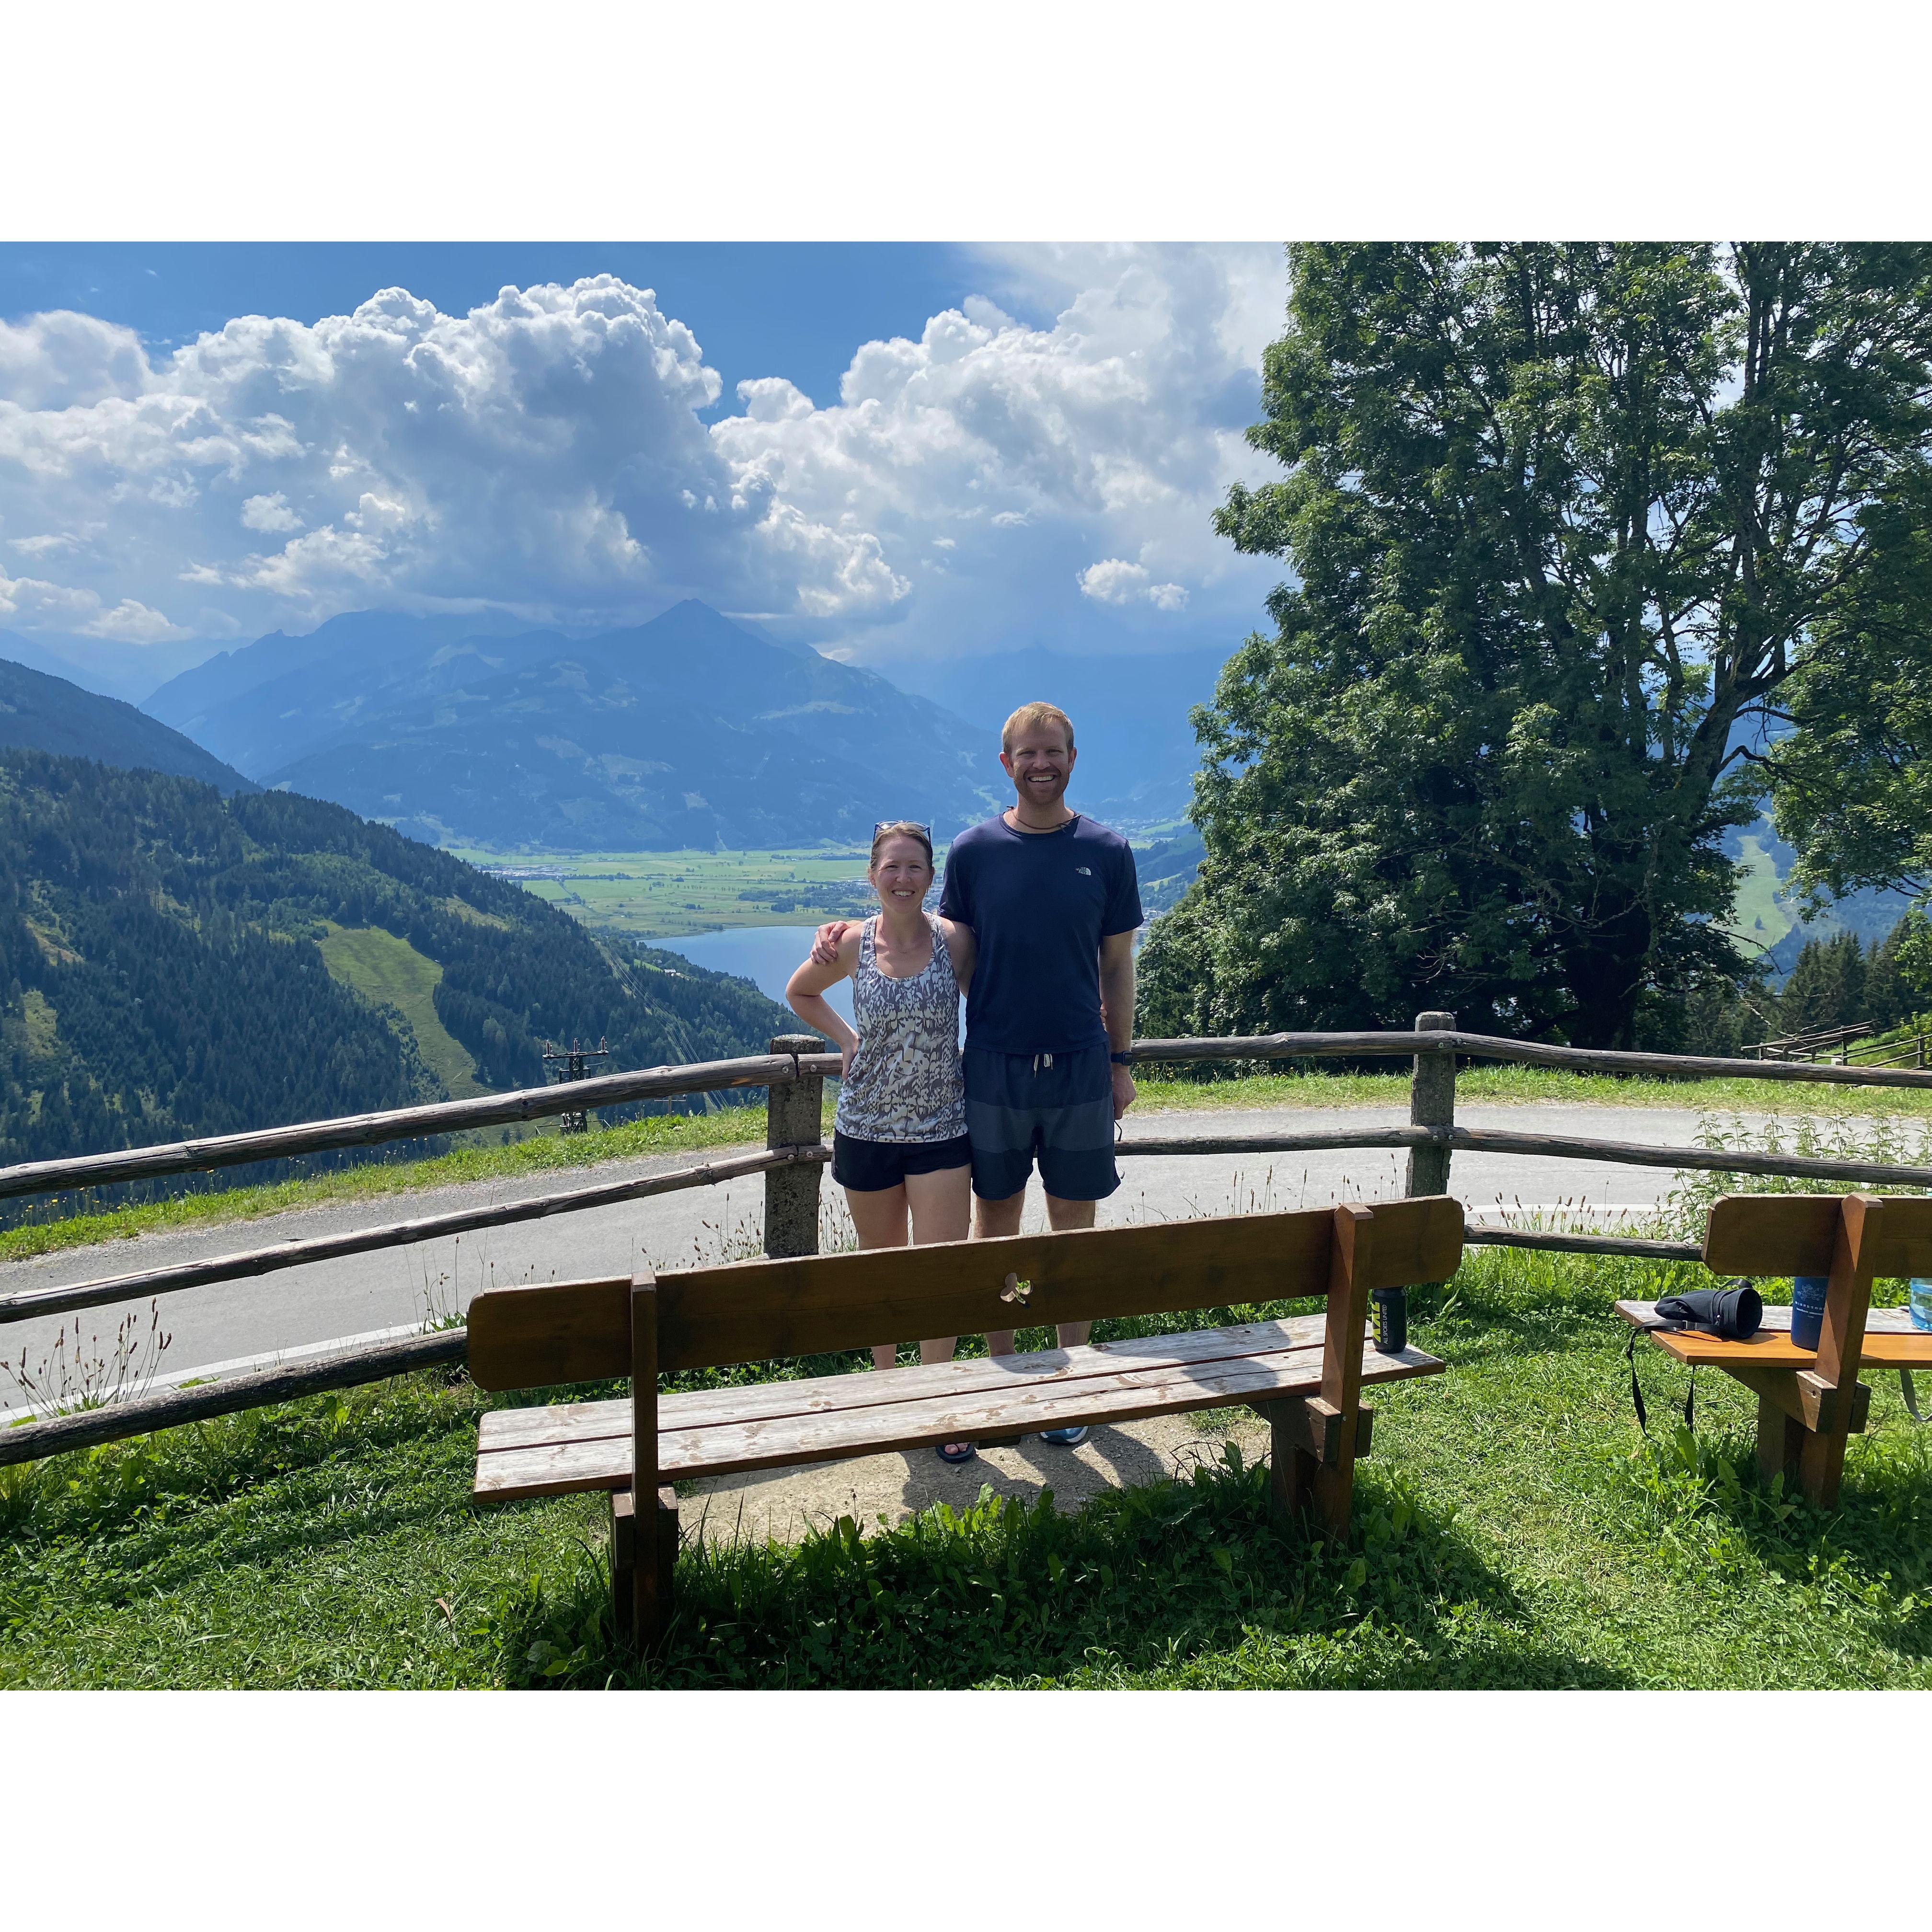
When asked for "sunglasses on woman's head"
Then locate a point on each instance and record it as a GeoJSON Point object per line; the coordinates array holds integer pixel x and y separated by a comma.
{"type": "Point", "coordinates": [900, 824]}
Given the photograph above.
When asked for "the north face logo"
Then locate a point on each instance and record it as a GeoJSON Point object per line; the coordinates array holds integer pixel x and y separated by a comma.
{"type": "Point", "coordinates": [1085, 872]}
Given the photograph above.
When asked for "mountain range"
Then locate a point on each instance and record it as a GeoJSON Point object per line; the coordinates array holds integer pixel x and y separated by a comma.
{"type": "Point", "coordinates": [685, 732]}
{"type": "Point", "coordinates": [41, 713]}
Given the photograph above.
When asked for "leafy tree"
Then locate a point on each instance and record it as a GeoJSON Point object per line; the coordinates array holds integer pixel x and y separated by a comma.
{"type": "Point", "coordinates": [1563, 519]}
{"type": "Point", "coordinates": [1854, 779]}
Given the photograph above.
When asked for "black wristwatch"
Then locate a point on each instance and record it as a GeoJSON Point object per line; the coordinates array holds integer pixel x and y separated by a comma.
{"type": "Point", "coordinates": [1121, 1059]}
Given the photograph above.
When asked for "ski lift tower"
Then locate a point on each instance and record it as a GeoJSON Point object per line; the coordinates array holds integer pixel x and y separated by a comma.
{"type": "Point", "coordinates": [573, 1064]}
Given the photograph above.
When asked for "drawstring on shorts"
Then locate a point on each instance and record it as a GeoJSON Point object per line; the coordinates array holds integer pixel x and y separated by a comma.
{"type": "Point", "coordinates": [1043, 1059]}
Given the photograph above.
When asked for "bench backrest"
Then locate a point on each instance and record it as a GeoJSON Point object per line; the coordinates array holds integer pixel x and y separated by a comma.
{"type": "Point", "coordinates": [538, 1336]}
{"type": "Point", "coordinates": [1779, 1234]}
{"type": "Point", "coordinates": [1851, 1239]}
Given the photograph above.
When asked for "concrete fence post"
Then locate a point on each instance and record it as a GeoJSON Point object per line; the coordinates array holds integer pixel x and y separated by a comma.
{"type": "Point", "coordinates": [794, 1117]}
{"type": "Point", "coordinates": [1432, 1103]}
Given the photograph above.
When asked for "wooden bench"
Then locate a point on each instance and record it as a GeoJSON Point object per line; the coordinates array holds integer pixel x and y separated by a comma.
{"type": "Point", "coordinates": [1304, 1375]}
{"type": "Point", "coordinates": [1809, 1401]}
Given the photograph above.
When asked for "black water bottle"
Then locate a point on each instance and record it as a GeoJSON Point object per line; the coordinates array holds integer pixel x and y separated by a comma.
{"type": "Point", "coordinates": [1391, 1314]}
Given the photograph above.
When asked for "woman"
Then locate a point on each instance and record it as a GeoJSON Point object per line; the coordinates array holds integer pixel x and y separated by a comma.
{"type": "Point", "coordinates": [899, 1144]}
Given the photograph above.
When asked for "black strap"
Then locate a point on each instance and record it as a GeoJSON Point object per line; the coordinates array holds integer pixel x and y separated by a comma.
{"type": "Point", "coordinates": [1690, 1394]}
{"type": "Point", "coordinates": [1911, 1395]}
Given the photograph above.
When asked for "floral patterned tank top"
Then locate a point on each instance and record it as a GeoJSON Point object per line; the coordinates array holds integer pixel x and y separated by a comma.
{"type": "Point", "coordinates": [904, 1084]}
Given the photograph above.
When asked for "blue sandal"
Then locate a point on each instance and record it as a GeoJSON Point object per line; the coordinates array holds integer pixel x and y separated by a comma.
{"type": "Point", "coordinates": [1067, 1436]}
{"type": "Point", "coordinates": [955, 1452]}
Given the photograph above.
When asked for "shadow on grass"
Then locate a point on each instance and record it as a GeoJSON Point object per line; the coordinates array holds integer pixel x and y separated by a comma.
{"type": "Point", "coordinates": [1187, 1581]}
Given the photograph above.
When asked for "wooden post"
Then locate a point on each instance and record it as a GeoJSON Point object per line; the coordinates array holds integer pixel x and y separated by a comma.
{"type": "Point", "coordinates": [1841, 1341]}
{"type": "Point", "coordinates": [650, 1601]}
{"type": "Point", "coordinates": [794, 1117]}
{"type": "Point", "coordinates": [1333, 1482]}
{"type": "Point", "coordinates": [1432, 1103]}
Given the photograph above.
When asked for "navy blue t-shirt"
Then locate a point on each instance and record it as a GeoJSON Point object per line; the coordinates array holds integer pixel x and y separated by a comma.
{"type": "Point", "coordinates": [1038, 903]}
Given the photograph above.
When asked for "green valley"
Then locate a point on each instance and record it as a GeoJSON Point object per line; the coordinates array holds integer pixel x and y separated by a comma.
{"type": "Point", "coordinates": [670, 895]}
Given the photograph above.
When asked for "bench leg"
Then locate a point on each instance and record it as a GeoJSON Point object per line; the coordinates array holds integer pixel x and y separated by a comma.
{"type": "Point", "coordinates": [623, 1562]}
{"type": "Point", "coordinates": [1306, 1451]}
{"type": "Point", "coordinates": [1821, 1462]}
{"type": "Point", "coordinates": [1779, 1438]}
{"type": "Point", "coordinates": [641, 1591]}
{"type": "Point", "coordinates": [1291, 1468]}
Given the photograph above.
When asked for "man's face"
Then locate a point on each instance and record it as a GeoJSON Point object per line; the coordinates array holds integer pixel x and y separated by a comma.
{"type": "Point", "coordinates": [1039, 765]}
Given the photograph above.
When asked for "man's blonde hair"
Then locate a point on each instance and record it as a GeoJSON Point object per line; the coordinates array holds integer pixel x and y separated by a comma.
{"type": "Point", "coordinates": [1031, 717]}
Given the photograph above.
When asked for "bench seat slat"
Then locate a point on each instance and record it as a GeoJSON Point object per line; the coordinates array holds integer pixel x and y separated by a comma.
{"type": "Point", "coordinates": [1048, 1401]}
{"type": "Point", "coordinates": [568, 1422]}
{"type": "Point", "coordinates": [1890, 1341]}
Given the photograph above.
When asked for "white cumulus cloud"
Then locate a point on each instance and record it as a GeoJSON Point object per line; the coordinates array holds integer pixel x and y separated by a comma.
{"type": "Point", "coordinates": [269, 513]}
{"type": "Point", "coordinates": [546, 454]}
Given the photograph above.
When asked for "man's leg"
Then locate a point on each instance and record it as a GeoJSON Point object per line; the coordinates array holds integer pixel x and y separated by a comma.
{"type": "Point", "coordinates": [1063, 1217]}
{"type": "Point", "coordinates": [993, 1221]}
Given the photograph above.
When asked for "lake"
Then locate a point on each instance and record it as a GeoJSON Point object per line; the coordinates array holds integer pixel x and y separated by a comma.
{"type": "Point", "coordinates": [767, 955]}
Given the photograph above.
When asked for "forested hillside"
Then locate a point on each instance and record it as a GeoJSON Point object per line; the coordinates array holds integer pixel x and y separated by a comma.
{"type": "Point", "coordinates": [162, 970]}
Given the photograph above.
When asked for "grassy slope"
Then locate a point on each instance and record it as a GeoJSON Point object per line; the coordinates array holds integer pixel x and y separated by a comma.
{"type": "Point", "coordinates": [389, 970]}
{"type": "Point", "coordinates": [1512, 1529]}
{"type": "Point", "coordinates": [735, 1126]}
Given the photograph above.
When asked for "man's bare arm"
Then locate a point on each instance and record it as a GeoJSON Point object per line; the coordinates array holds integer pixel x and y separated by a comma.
{"type": "Point", "coordinates": [1116, 1009]}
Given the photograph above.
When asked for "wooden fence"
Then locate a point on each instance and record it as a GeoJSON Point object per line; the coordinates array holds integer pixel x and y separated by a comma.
{"type": "Point", "coordinates": [793, 1074]}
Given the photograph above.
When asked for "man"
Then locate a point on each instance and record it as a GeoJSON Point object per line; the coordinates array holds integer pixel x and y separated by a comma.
{"type": "Point", "coordinates": [1054, 903]}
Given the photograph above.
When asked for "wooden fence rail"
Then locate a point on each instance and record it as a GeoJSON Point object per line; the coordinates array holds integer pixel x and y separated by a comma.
{"type": "Point", "coordinates": [1496, 1140]}
{"type": "Point", "coordinates": [781, 1070]}
{"type": "Point", "coordinates": [254, 1261]}
{"type": "Point", "coordinates": [400, 1124]}
{"type": "Point", "coordinates": [793, 1074]}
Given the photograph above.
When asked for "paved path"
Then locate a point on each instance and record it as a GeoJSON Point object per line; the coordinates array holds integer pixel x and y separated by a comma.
{"type": "Point", "coordinates": [219, 1326]}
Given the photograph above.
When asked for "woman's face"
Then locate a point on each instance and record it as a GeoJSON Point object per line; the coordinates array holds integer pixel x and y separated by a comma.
{"type": "Point", "coordinates": [901, 874]}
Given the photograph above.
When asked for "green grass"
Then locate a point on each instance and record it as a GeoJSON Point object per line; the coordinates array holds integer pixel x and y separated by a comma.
{"type": "Point", "coordinates": [1512, 1529]}
{"type": "Point", "coordinates": [666, 895]}
{"type": "Point", "coordinates": [1490, 1084]}
{"type": "Point", "coordinates": [390, 971]}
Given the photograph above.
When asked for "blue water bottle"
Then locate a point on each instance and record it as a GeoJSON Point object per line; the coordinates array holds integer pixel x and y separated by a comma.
{"type": "Point", "coordinates": [1921, 1303]}
{"type": "Point", "coordinates": [1807, 1308]}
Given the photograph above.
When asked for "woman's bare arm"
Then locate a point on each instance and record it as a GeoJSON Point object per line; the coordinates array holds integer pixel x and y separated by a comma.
{"type": "Point", "coordinates": [805, 994]}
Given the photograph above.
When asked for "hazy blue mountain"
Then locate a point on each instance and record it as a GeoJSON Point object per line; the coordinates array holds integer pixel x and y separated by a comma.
{"type": "Point", "coordinates": [275, 699]}
{"type": "Point", "coordinates": [104, 665]}
{"type": "Point", "coordinates": [686, 731]}
{"type": "Point", "coordinates": [41, 713]}
{"type": "Point", "coordinates": [1137, 750]}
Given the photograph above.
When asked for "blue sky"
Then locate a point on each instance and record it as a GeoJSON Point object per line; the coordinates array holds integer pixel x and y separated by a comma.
{"type": "Point", "coordinates": [892, 451]}
{"type": "Point", "coordinates": [792, 309]}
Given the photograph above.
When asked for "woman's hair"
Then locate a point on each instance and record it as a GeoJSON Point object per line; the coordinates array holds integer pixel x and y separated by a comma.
{"type": "Point", "coordinates": [901, 828]}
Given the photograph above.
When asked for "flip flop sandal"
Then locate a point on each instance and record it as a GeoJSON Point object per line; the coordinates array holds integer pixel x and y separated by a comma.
{"type": "Point", "coordinates": [955, 1452]}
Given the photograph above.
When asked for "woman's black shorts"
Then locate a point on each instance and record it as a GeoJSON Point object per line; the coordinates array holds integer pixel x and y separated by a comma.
{"type": "Point", "coordinates": [870, 1167]}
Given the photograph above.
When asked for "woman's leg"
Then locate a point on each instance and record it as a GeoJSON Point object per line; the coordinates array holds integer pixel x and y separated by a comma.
{"type": "Point", "coordinates": [942, 1210]}
{"type": "Point", "coordinates": [879, 1219]}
